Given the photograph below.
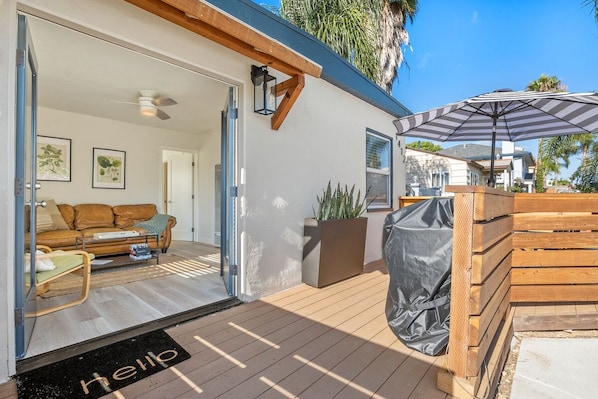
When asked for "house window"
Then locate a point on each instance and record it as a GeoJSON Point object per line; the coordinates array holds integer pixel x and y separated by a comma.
{"type": "Point", "coordinates": [440, 180]}
{"type": "Point", "coordinates": [378, 170]}
{"type": "Point", "coordinates": [473, 178]}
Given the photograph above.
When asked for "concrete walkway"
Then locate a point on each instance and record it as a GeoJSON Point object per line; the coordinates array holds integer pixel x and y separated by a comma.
{"type": "Point", "coordinates": [559, 368]}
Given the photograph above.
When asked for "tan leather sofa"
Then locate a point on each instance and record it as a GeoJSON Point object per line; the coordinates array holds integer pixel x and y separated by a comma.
{"type": "Point", "coordinates": [61, 229]}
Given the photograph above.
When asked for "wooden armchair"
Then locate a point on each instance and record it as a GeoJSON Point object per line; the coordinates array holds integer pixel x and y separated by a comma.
{"type": "Point", "coordinates": [66, 262]}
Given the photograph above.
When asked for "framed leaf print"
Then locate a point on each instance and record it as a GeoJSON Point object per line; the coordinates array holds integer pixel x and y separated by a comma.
{"type": "Point", "coordinates": [53, 159]}
{"type": "Point", "coordinates": [109, 168]}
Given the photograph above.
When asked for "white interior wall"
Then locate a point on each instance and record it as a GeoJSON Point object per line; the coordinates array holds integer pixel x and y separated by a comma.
{"type": "Point", "coordinates": [142, 145]}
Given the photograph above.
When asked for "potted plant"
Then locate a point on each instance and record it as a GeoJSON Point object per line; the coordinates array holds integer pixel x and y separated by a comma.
{"type": "Point", "coordinates": [334, 239]}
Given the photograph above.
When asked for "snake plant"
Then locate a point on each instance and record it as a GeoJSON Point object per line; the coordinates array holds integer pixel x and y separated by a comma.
{"type": "Point", "coordinates": [339, 204]}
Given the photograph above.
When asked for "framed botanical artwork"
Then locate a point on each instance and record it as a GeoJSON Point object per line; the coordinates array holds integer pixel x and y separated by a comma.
{"type": "Point", "coordinates": [53, 158]}
{"type": "Point", "coordinates": [108, 168]}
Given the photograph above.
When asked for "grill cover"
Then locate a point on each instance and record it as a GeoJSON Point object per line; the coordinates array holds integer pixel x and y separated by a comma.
{"type": "Point", "coordinates": [417, 250]}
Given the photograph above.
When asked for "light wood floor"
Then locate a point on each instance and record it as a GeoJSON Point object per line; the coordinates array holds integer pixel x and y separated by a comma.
{"type": "Point", "coordinates": [116, 308]}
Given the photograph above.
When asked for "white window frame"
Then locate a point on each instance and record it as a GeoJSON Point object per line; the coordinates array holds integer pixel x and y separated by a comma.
{"type": "Point", "coordinates": [443, 179]}
{"type": "Point", "coordinates": [383, 172]}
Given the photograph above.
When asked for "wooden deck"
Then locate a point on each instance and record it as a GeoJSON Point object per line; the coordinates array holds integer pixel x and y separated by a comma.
{"type": "Point", "coordinates": [332, 342]}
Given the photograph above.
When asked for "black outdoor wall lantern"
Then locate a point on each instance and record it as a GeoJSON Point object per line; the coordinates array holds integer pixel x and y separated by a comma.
{"type": "Point", "coordinates": [264, 97]}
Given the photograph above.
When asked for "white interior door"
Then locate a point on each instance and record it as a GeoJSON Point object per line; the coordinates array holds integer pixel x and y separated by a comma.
{"type": "Point", "coordinates": [179, 192]}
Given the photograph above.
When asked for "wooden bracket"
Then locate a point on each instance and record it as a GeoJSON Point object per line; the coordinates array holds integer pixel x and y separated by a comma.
{"type": "Point", "coordinates": [290, 89]}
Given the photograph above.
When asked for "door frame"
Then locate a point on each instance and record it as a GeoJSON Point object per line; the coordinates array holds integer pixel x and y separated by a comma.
{"type": "Point", "coordinates": [25, 186]}
{"type": "Point", "coordinates": [197, 67]}
{"type": "Point", "coordinates": [195, 159]}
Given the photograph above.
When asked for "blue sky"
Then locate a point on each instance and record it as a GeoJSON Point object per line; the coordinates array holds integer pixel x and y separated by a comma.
{"type": "Point", "coordinates": [463, 48]}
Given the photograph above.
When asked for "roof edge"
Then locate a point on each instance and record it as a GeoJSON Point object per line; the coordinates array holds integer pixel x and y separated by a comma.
{"type": "Point", "coordinates": [335, 69]}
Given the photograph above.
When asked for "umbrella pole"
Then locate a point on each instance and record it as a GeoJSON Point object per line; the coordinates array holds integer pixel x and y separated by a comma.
{"type": "Point", "coordinates": [491, 180]}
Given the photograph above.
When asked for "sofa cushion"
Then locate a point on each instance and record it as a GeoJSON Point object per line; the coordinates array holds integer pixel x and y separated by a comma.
{"type": "Point", "coordinates": [93, 215]}
{"type": "Point", "coordinates": [56, 238]}
{"type": "Point", "coordinates": [48, 217]}
{"type": "Point", "coordinates": [68, 214]}
{"type": "Point", "coordinates": [128, 215]}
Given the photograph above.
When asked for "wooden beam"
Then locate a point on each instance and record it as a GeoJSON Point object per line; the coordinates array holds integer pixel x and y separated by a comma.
{"type": "Point", "coordinates": [291, 89]}
{"type": "Point", "coordinates": [213, 24]}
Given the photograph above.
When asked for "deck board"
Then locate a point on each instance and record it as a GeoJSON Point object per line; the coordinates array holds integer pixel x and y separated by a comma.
{"type": "Point", "coordinates": [332, 342]}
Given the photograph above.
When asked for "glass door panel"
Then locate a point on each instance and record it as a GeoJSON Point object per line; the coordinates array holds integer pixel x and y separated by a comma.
{"type": "Point", "coordinates": [25, 186]}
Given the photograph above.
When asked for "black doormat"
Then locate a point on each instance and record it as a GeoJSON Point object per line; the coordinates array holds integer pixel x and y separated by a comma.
{"type": "Point", "coordinates": [98, 372]}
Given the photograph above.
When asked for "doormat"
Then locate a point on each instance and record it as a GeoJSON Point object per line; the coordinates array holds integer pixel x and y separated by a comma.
{"type": "Point", "coordinates": [98, 372]}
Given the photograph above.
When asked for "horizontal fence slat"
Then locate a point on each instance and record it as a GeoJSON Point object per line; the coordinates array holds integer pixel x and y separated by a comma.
{"type": "Point", "coordinates": [480, 295]}
{"type": "Point", "coordinates": [484, 263]}
{"type": "Point", "coordinates": [560, 221]}
{"type": "Point", "coordinates": [557, 240]}
{"type": "Point", "coordinates": [492, 347]}
{"type": "Point", "coordinates": [488, 206]}
{"type": "Point", "coordinates": [487, 234]}
{"type": "Point", "coordinates": [578, 202]}
{"type": "Point", "coordinates": [489, 202]}
{"type": "Point", "coordinates": [564, 257]}
{"type": "Point", "coordinates": [554, 293]}
{"type": "Point", "coordinates": [478, 325]}
{"type": "Point", "coordinates": [554, 275]}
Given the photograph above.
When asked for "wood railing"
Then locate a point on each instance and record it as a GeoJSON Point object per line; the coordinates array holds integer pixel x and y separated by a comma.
{"type": "Point", "coordinates": [510, 248]}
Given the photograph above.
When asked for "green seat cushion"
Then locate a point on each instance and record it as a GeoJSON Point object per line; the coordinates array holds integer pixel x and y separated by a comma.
{"type": "Point", "coordinates": [62, 263]}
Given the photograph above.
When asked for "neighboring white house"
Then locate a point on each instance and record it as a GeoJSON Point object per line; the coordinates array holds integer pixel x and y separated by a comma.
{"type": "Point", "coordinates": [523, 162]}
{"type": "Point", "coordinates": [427, 173]}
{"type": "Point", "coordinates": [93, 56]}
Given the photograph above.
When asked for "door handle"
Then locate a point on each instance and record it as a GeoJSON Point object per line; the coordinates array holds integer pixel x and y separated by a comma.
{"type": "Point", "coordinates": [42, 204]}
{"type": "Point", "coordinates": [37, 186]}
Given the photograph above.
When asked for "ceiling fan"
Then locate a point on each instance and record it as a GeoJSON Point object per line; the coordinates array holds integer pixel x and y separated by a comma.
{"type": "Point", "coordinates": [150, 100]}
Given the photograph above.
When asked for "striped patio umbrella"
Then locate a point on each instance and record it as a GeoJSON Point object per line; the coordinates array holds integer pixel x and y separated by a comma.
{"type": "Point", "coordinates": [505, 115]}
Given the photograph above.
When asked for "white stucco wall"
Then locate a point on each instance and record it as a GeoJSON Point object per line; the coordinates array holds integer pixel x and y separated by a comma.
{"type": "Point", "coordinates": [281, 172]}
{"type": "Point", "coordinates": [322, 139]}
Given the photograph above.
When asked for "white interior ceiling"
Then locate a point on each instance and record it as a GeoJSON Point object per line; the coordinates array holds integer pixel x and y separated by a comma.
{"type": "Point", "coordinates": [83, 74]}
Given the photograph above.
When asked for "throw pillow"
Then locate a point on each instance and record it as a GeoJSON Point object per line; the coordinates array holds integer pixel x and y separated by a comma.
{"type": "Point", "coordinates": [41, 264]}
{"type": "Point", "coordinates": [50, 218]}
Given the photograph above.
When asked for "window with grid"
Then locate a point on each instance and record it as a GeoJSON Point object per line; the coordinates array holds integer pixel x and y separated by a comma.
{"type": "Point", "coordinates": [378, 170]}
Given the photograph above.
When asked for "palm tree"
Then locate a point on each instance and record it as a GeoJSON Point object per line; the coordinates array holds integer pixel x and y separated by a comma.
{"type": "Point", "coordinates": [543, 83]}
{"type": "Point", "coordinates": [370, 34]}
{"type": "Point", "coordinates": [556, 152]}
{"type": "Point", "coordinates": [585, 177]}
{"type": "Point", "coordinates": [393, 36]}
{"type": "Point", "coordinates": [594, 5]}
{"type": "Point", "coordinates": [347, 26]}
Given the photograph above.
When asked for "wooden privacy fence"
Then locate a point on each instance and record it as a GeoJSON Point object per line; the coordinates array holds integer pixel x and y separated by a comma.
{"type": "Point", "coordinates": [510, 248]}
{"type": "Point", "coordinates": [555, 248]}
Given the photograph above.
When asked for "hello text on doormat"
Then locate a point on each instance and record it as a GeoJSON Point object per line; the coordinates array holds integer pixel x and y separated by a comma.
{"type": "Point", "coordinates": [101, 371]}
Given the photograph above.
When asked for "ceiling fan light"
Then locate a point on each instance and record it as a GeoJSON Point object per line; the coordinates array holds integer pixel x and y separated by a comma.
{"type": "Point", "coordinates": [147, 108]}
